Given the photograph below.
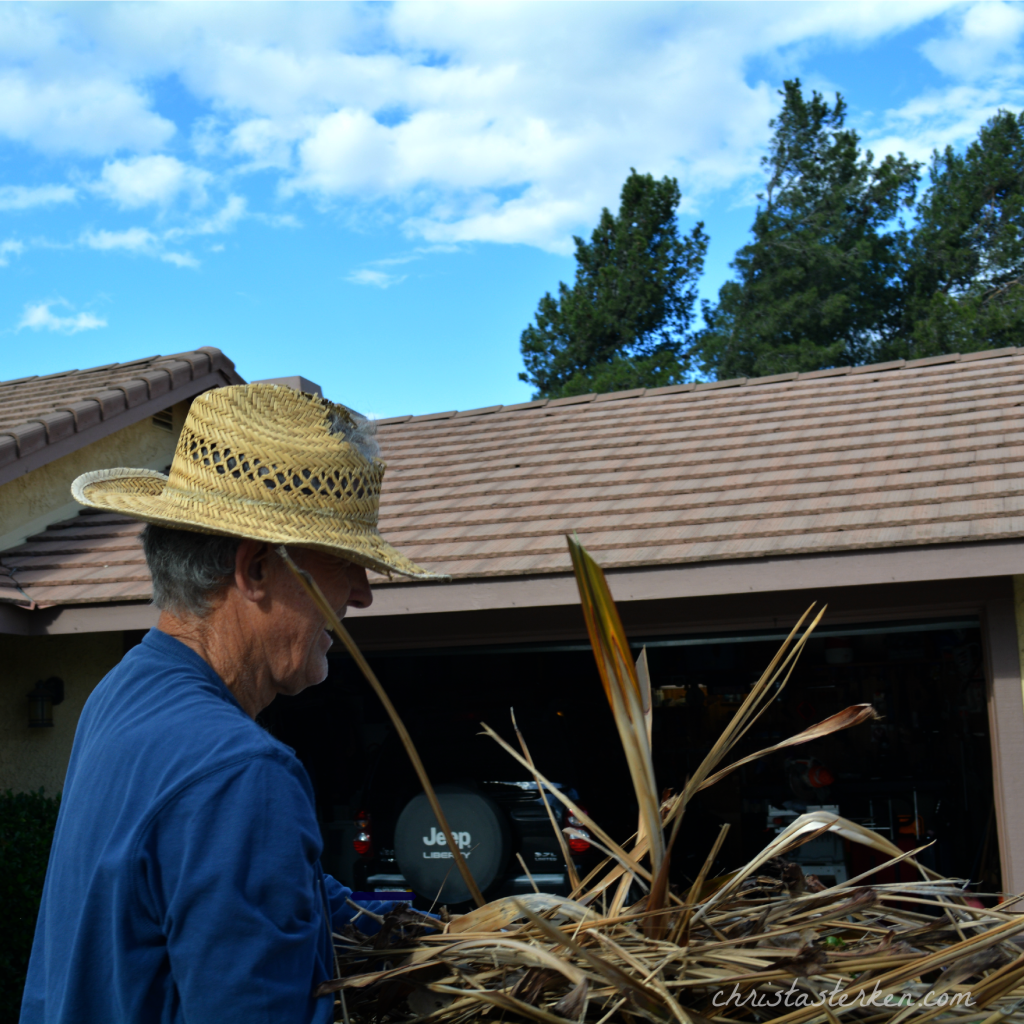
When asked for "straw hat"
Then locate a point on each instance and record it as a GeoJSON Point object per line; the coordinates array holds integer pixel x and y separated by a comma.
{"type": "Point", "coordinates": [264, 462]}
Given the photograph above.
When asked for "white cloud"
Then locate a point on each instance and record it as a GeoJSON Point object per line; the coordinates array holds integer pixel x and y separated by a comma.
{"type": "Point", "coordinates": [139, 241]}
{"type": "Point", "coordinates": [463, 122]}
{"type": "Point", "coordinates": [147, 180]}
{"type": "Point", "coordinates": [207, 136]}
{"type": "Point", "coordinates": [132, 239]}
{"type": "Point", "coordinates": [524, 129]}
{"type": "Point", "coordinates": [263, 143]}
{"type": "Point", "coordinates": [981, 54]}
{"type": "Point", "coordinates": [278, 220]}
{"type": "Point", "coordinates": [92, 115]}
{"type": "Point", "coordinates": [988, 33]}
{"type": "Point", "coordinates": [224, 220]}
{"type": "Point", "coordinates": [416, 254]}
{"type": "Point", "coordinates": [10, 247]}
{"type": "Point", "coordinates": [145, 242]}
{"type": "Point", "coordinates": [948, 117]}
{"type": "Point", "coordinates": [40, 317]}
{"type": "Point", "coordinates": [377, 278]}
{"type": "Point", "coordinates": [180, 259]}
{"type": "Point", "coordinates": [22, 197]}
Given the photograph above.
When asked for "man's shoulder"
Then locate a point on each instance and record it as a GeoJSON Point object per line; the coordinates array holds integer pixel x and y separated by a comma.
{"type": "Point", "coordinates": [162, 679]}
{"type": "Point", "coordinates": [165, 711]}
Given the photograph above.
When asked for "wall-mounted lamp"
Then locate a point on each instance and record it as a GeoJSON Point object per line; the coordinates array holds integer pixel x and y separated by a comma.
{"type": "Point", "coordinates": [45, 694]}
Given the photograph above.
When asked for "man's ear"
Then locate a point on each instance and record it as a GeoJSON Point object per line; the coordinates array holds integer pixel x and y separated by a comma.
{"type": "Point", "coordinates": [251, 569]}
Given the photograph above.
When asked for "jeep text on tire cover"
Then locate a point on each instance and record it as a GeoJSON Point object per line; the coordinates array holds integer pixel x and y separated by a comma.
{"type": "Point", "coordinates": [438, 838]}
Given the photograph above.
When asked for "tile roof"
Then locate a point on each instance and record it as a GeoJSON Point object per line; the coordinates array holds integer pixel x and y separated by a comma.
{"type": "Point", "coordinates": [93, 557]}
{"type": "Point", "coordinates": [42, 418]}
{"type": "Point", "coordinates": [891, 455]}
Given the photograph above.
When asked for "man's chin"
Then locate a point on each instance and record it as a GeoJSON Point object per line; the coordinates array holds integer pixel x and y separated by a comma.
{"type": "Point", "coordinates": [297, 686]}
{"type": "Point", "coordinates": [318, 672]}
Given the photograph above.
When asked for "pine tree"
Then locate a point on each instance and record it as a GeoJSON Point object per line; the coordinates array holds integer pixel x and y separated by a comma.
{"type": "Point", "coordinates": [624, 322]}
{"type": "Point", "coordinates": [819, 283]}
{"type": "Point", "coordinates": [965, 275]}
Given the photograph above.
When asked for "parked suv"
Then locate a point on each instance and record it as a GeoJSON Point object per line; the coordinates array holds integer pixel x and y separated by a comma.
{"type": "Point", "coordinates": [491, 801]}
{"type": "Point", "coordinates": [491, 821]}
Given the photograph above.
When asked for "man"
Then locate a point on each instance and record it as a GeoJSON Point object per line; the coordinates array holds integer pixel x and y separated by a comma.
{"type": "Point", "coordinates": [184, 882]}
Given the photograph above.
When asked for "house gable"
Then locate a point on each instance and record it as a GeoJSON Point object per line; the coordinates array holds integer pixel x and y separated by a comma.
{"type": "Point", "coordinates": [55, 427]}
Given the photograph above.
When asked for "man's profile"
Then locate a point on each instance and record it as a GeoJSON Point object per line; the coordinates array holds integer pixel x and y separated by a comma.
{"type": "Point", "coordinates": [184, 881]}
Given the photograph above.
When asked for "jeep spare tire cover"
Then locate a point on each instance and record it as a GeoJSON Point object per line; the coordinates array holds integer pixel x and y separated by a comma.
{"type": "Point", "coordinates": [422, 851]}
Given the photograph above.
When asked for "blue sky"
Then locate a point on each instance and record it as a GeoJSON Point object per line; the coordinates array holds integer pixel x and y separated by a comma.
{"type": "Point", "coordinates": [375, 196]}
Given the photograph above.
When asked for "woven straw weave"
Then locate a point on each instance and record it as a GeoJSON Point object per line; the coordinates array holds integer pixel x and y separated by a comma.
{"type": "Point", "coordinates": [265, 462]}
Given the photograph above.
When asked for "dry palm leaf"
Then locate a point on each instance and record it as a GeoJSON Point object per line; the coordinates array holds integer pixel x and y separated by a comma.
{"type": "Point", "coordinates": [622, 688]}
{"type": "Point", "coordinates": [707, 957]}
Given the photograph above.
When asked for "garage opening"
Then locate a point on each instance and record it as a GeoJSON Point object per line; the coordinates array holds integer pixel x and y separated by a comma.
{"type": "Point", "coordinates": [921, 774]}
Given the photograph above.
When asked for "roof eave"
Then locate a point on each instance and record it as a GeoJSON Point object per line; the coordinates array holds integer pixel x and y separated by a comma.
{"type": "Point", "coordinates": [815, 573]}
{"type": "Point", "coordinates": [820, 572]}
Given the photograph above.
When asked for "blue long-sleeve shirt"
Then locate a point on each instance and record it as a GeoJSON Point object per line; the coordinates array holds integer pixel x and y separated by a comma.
{"type": "Point", "coordinates": [184, 882]}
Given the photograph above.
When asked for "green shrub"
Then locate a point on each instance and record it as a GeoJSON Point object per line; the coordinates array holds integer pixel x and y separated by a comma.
{"type": "Point", "coordinates": [27, 821]}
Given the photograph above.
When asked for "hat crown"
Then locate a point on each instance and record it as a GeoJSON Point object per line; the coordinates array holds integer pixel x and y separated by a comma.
{"type": "Point", "coordinates": [270, 444]}
{"type": "Point", "coordinates": [268, 463]}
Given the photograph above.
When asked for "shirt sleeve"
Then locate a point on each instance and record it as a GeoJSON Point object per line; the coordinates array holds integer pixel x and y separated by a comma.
{"type": "Point", "coordinates": [232, 874]}
{"type": "Point", "coordinates": [343, 913]}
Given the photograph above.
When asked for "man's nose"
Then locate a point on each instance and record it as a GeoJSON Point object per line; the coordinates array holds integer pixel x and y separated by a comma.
{"type": "Point", "coordinates": [360, 596]}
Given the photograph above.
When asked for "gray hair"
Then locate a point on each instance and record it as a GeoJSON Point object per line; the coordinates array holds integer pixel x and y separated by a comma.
{"type": "Point", "coordinates": [361, 433]}
{"type": "Point", "coordinates": [188, 568]}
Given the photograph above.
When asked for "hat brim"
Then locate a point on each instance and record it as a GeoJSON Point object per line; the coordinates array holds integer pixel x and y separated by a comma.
{"type": "Point", "coordinates": [143, 494]}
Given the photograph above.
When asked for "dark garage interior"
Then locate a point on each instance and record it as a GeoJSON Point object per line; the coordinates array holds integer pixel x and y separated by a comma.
{"type": "Point", "coordinates": [920, 774]}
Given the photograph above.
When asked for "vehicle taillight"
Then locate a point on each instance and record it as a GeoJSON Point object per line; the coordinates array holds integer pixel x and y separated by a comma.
{"type": "Point", "coordinates": [579, 844]}
{"type": "Point", "coordinates": [579, 838]}
{"type": "Point", "coordinates": [363, 842]}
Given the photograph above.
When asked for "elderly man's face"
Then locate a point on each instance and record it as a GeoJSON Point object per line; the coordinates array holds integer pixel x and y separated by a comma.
{"type": "Point", "coordinates": [292, 633]}
{"type": "Point", "coordinates": [264, 635]}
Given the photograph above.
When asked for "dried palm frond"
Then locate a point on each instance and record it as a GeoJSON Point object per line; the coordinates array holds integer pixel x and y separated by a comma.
{"type": "Point", "coordinates": [759, 943]}
{"type": "Point", "coordinates": [622, 688]}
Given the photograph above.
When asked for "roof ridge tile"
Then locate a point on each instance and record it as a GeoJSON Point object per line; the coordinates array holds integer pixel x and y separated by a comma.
{"type": "Point", "coordinates": [775, 378]}
{"type": "Point", "coordinates": [95, 396]}
{"type": "Point", "coordinates": [710, 385]}
{"type": "Point", "coordinates": [989, 353]}
{"type": "Point", "coordinates": [952, 357]}
{"type": "Point", "coordinates": [895, 364]}
{"type": "Point", "coordinates": [433, 416]}
{"type": "Point", "coordinates": [836, 371]}
{"type": "Point", "coordinates": [536, 403]}
{"type": "Point", "coordinates": [483, 411]}
{"type": "Point", "coordinates": [571, 400]}
{"type": "Point", "coordinates": [618, 396]}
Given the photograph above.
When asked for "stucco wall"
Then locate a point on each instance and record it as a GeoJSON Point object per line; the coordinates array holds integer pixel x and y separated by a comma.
{"type": "Point", "coordinates": [30, 758]}
{"type": "Point", "coordinates": [32, 502]}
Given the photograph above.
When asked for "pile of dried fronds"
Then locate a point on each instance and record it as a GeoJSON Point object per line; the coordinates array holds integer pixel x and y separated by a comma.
{"type": "Point", "coordinates": [763, 950]}
{"type": "Point", "coordinates": [760, 943]}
